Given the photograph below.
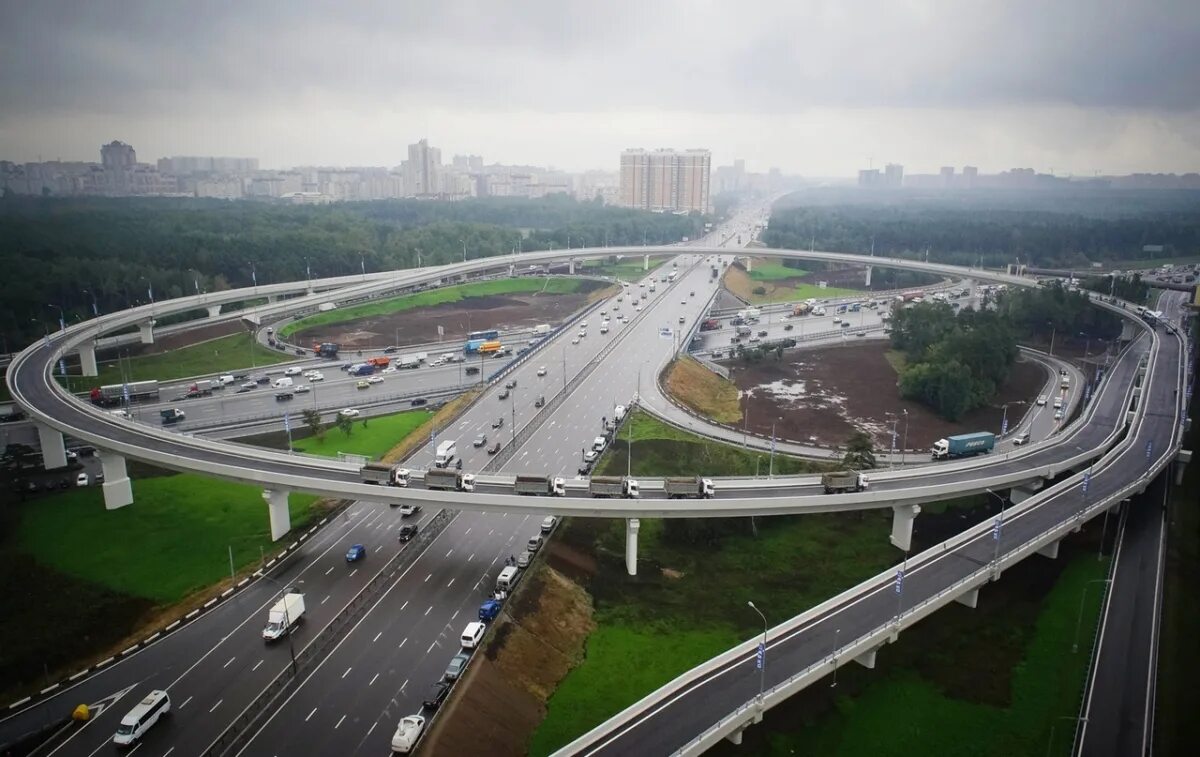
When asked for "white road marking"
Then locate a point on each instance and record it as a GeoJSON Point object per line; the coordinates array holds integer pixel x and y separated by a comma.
{"type": "Point", "coordinates": [231, 659]}
{"type": "Point", "coordinates": [215, 706]}
{"type": "Point", "coordinates": [310, 714]}
{"type": "Point", "coordinates": [185, 702]}
{"type": "Point", "coordinates": [329, 571]}
{"type": "Point", "coordinates": [347, 672]}
{"type": "Point", "coordinates": [339, 722]}
{"type": "Point", "coordinates": [427, 578]}
{"type": "Point", "coordinates": [353, 572]}
{"type": "Point", "coordinates": [404, 605]}
{"type": "Point", "coordinates": [377, 637]}
{"type": "Point", "coordinates": [326, 599]}
{"type": "Point", "coordinates": [429, 610]}
{"type": "Point", "coordinates": [260, 662]}
{"type": "Point", "coordinates": [372, 728]}
{"type": "Point", "coordinates": [403, 643]}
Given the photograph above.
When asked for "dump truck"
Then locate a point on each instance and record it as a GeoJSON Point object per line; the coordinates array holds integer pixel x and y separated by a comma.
{"type": "Point", "coordinates": [843, 481]}
{"type": "Point", "coordinates": [540, 485]}
{"type": "Point", "coordinates": [283, 616]}
{"type": "Point", "coordinates": [326, 349]}
{"type": "Point", "coordinates": [490, 347]}
{"type": "Point", "coordinates": [689, 487]}
{"type": "Point", "coordinates": [376, 473]}
{"type": "Point", "coordinates": [963, 445]}
{"type": "Point", "coordinates": [801, 308]}
{"type": "Point", "coordinates": [613, 486]}
{"type": "Point", "coordinates": [710, 324]}
{"type": "Point", "coordinates": [382, 361]}
{"type": "Point", "coordinates": [449, 480]}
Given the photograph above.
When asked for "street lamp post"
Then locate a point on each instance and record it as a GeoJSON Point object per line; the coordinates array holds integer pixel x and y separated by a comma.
{"type": "Point", "coordinates": [762, 655]}
{"type": "Point", "coordinates": [1004, 420]}
{"type": "Point", "coordinates": [998, 528]}
{"type": "Point", "coordinates": [1052, 330]}
{"type": "Point", "coordinates": [1079, 619]}
{"type": "Point", "coordinates": [904, 450]}
{"type": "Point", "coordinates": [892, 453]}
{"type": "Point", "coordinates": [771, 463]}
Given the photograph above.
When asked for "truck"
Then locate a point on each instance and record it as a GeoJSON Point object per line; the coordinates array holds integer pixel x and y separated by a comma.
{"type": "Point", "coordinates": [843, 481]}
{"type": "Point", "coordinates": [963, 445]}
{"type": "Point", "coordinates": [382, 361]}
{"type": "Point", "coordinates": [689, 487]}
{"type": "Point", "coordinates": [171, 415]}
{"type": "Point", "coordinates": [910, 296]}
{"type": "Point", "coordinates": [472, 346]}
{"type": "Point", "coordinates": [326, 349]}
{"type": "Point", "coordinates": [604, 327]}
{"type": "Point", "coordinates": [651, 286]}
{"type": "Point", "coordinates": [605, 487]}
{"type": "Point", "coordinates": [445, 453]}
{"type": "Point", "coordinates": [283, 616]}
{"type": "Point", "coordinates": [671, 276]}
{"type": "Point", "coordinates": [542, 328]}
{"type": "Point", "coordinates": [750, 314]}
{"type": "Point", "coordinates": [408, 361]}
{"type": "Point", "coordinates": [710, 324]}
{"type": "Point", "coordinates": [540, 485]}
{"type": "Point", "coordinates": [361, 369]}
{"type": "Point", "coordinates": [743, 331]}
{"type": "Point", "coordinates": [449, 480]}
{"type": "Point", "coordinates": [203, 388]}
{"type": "Point", "coordinates": [383, 474]}
{"type": "Point", "coordinates": [111, 395]}
{"type": "Point", "coordinates": [716, 272]}
{"type": "Point", "coordinates": [801, 308]}
{"type": "Point", "coordinates": [325, 307]}
{"type": "Point", "coordinates": [490, 347]}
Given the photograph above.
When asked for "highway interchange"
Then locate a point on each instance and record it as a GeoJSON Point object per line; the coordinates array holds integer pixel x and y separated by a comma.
{"type": "Point", "coordinates": [379, 671]}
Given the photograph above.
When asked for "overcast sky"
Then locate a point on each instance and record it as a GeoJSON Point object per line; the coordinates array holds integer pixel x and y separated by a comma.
{"type": "Point", "coordinates": [816, 88]}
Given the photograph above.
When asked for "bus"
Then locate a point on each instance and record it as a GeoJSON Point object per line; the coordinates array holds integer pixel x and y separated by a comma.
{"type": "Point", "coordinates": [486, 336]}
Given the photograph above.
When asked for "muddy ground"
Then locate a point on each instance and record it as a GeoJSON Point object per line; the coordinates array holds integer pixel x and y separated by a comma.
{"type": "Point", "coordinates": [168, 342]}
{"type": "Point", "coordinates": [420, 325]}
{"type": "Point", "coordinates": [822, 395]}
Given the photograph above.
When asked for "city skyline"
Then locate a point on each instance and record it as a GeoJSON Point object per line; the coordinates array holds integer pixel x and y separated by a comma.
{"type": "Point", "coordinates": [813, 88]}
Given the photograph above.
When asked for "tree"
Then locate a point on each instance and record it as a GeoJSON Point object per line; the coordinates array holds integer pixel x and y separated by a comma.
{"type": "Point", "coordinates": [860, 451]}
{"type": "Point", "coordinates": [312, 420]}
{"type": "Point", "coordinates": [345, 424]}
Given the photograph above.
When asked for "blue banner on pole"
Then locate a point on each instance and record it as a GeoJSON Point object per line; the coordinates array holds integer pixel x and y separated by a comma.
{"type": "Point", "coordinates": [287, 423]}
{"type": "Point", "coordinates": [1087, 479]}
{"type": "Point", "coordinates": [761, 657]}
{"type": "Point", "coordinates": [125, 392]}
{"type": "Point", "coordinates": [996, 530]}
{"type": "Point", "coordinates": [1004, 427]}
{"type": "Point", "coordinates": [1149, 449]}
{"type": "Point", "coordinates": [899, 581]}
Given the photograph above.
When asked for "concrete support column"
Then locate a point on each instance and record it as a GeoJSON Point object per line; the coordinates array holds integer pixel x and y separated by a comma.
{"type": "Point", "coordinates": [970, 599]}
{"type": "Point", "coordinates": [571, 266]}
{"type": "Point", "coordinates": [749, 264]}
{"type": "Point", "coordinates": [277, 508]}
{"type": "Point", "coordinates": [87, 359]}
{"type": "Point", "coordinates": [735, 738]}
{"type": "Point", "coordinates": [867, 659]}
{"type": "Point", "coordinates": [272, 299]}
{"type": "Point", "coordinates": [146, 331]}
{"type": "Point", "coordinates": [1050, 550]}
{"type": "Point", "coordinates": [1182, 458]}
{"type": "Point", "coordinates": [646, 262]}
{"type": "Point", "coordinates": [214, 311]}
{"type": "Point", "coordinates": [1019, 494]}
{"type": "Point", "coordinates": [631, 531]}
{"type": "Point", "coordinates": [902, 525]}
{"type": "Point", "coordinates": [118, 491]}
{"type": "Point", "coordinates": [54, 454]}
{"type": "Point", "coordinates": [868, 283]}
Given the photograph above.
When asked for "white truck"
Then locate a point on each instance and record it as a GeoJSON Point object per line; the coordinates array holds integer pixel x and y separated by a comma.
{"type": "Point", "coordinates": [384, 474]}
{"type": "Point", "coordinates": [283, 616]}
{"type": "Point", "coordinates": [651, 286]}
{"type": "Point", "coordinates": [325, 307]}
{"type": "Point", "coordinates": [843, 481]}
{"type": "Point", "coordinates": [607, 487]}
{"type": "Point", "coordinates": [689, 487]}
{"type": "Point", "coordinates": [542, 328]}
{"type": "Point", "coordinates": [540, 485]}
{"type": "Point", "coordinates": [449, 480]}
{"type": "Point", "coordinates": [445, 453]}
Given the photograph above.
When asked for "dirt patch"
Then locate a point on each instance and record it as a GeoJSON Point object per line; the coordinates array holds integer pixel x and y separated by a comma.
{"type": "Point", "coordinates": [704, 391]}
{"type": "Point", "coordinates": [457, 319]}
{"type": "Point", "coordinates": [168, 342]}
{"type": "Point", "coordinates": [503, 696]}
{"type": "Point", "coordinates": [820, 396]}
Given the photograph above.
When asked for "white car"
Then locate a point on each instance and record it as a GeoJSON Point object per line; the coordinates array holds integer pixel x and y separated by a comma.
{"type": "Point", "coordinates": [575, 340]}
{"type": "Point", "coordinates": [407, 733]}
{"type": "Point", "coordinates": [542, 370]}
{"type": "Point", "coordinates": [389, 369]}
{"type": "Point", "coordinates": [683, 302]}
{"type": "Point", "coordinates": [375, 380]}
{"type": "Point", "coordinates": [82, 480]}
{"type": "Point", "coordinates": [316, 376]}
{"type": "Point", "coordinates": [349, 412]}
{"type": "Point", "coordinates": [301, 389]}
{"type": "Point", "coordinates": [293, 371]}
{"type": "Point", "coordinates": [1058, 415]}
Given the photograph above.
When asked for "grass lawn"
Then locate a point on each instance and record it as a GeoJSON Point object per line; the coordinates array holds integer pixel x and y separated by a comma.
{"type": "Point", "coordinates": [371, 437]}
{"type": "Point", "coordinates": [629, 269]}
{"type": "Point", "coordinates": [222, 354]}
{"type": "Point", "coordinates": [704, 391]}
{"type": "Point", "coordinates": [897, 360]}
{"type": "Point", "coordinates": [173, 540]}
{"type": "Point", "coordinates": [435, 297]}
{"type": "Point", "coordinates": [772, 270]}
{"type": "Point", "coordinates": [744, 285]}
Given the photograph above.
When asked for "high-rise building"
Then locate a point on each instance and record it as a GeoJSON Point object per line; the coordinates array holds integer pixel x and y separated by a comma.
{"type": "Point", "coordinates": [970, 176]}
{"type": "Point", "coordinates": [947, 174]}
{"type": "Point", "coordinates": [422, 169]}
{"type": "Point", "coordinates": [666, 180]}
{"type": "Point", "coordinates": [117, 155]}
{"type": "Point", "coordinates": [893, 175]}
{"type": "Point", "coordinates": [869, 177]}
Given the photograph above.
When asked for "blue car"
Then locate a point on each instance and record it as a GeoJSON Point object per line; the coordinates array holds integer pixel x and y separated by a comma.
{"type": "Point", "coordinates": [356, 553]}
{"type": "Point", "coordinates": [489, 610]}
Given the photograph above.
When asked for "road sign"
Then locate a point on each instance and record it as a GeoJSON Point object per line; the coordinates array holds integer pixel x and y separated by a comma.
{"type": "Point", "coordinates": [899, 580]}
{"type": "Point", "coordinates": [1149, 449]}
{"type": "Point", "coordinates": [1087, 479]}
{"type": "Point", "coordinates": [1004, 427]}
{"type": "Point", "coordinates": [996, 529]}
{"type": "Point", "coordinates": [1087, 392]}
{"type": "Point", "coordinates": [666, 333]}
{"type": "Point", "coordinates": [760, 659]}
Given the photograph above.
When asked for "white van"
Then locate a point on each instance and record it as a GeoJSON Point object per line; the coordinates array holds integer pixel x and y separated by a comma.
{"type": "Point", "coordinates": [225, 379]}
{"type": "Point", "coordinates": [473, 634]}
{"type": "Point", "coordinates": [283, 383]}
{"type": "Point", "coordinates": [507, 578]}
{"type": "Point", "coordinates": [139, 720]}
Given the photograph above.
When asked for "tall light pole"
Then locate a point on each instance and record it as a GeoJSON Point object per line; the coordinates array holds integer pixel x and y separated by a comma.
{"type": "Point", "coordinates": [95, 307]}
{"type": "Point", "coordinates": [1004, 420]}
{"type": "Point", "coordinates": [1079, 619]}
{"type": "Point", "coordinates": [892, 454]}
{"type": "Point", "coordinates": [195, 279]}
{"type": "Point", "coordinates": [762, 655]}
{"type": "Point", "coordinates": [1052, 330]}
{"type": "Point", "coordinates": [771, 462]}
{"type": "Point", "coordinates": [997, 528]}
{"type": "Point", "coordinates": [464, 244]}
{"type": "Point", "coordinates": [904, 450]}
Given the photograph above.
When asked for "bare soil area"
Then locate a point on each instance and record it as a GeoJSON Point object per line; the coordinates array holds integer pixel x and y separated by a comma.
{"type": "Point", "coordinates": [820, 396]}
{"type": "Point", "coordinates": [168, 342]}
{"type": "Point", "coordinates": [420, 325]}
{"type": "Point", "coordinates": [538, 639]}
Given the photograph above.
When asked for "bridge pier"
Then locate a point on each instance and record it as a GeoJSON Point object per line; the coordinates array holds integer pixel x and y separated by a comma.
{"type": "Point", "coordinates": [214, 311]}
{"type": "Point", "coordinates": [1182, 458]}
{"type": "Point", "coordinates": [646, 262]}
{"type": "Point", "coordinates": [571, 266]}
{"type": "Point", "coordinates": [970, 599]}
{"type": "Point", "coordinates": [1050, 550]}
{"type": "Point", "coordinates": [749, 264]}
{"type": "Point", "coordinates": [146, 332]}
{"type": "Point", "coordinates": [118, 491]}
{"type": "Point", "coordinates": [902, 525]}
{"type": "Point", "coordinates": [87, 359]}
{"type": "Point", "coordinates": [54, 453]}
{"type": "Point", "coordinates": [277, 508]}
{"type": "Point", "coordinates": [1019, 494]}
{"type": "Point", "coordinates": [272, 299]}
{"type": "Point", "coordinates": [867, 658]}
{"type": "Point", "coordinates": [868, 282]}
{"type": "Point", "coordinates": [631, 531]}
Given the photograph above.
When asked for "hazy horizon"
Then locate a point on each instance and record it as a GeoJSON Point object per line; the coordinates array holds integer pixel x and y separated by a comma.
{"type": "Point", "coordinates": [820, 89]}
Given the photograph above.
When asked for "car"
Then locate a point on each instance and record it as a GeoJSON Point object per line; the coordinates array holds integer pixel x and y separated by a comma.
{"type": "Point", "coordinates": [407, 733]}
{"type": "Point", "coordinates": [860, 333]}
{"type": "Point", "coordinates": [683, 302]}
{"type": "Point", "coordinates": [243, 390]}
{"type": "Point", "coordinates": [498, 422]}
{"type": "Point", "coordinates": [1021, 438]}
{"type": "Point", "coordinates": [418, 402]}
{"type": "Point", "coordinates": [541, 370]}
{"type": "Point", "coordinates": [534, 543]}
{"type": "Point", "coordinates": [512, 384]}
{"type": "Point", "coordinates": [292, 371]}
{"type": "Point", "coordinates": [1058, 415]}
{"type": "Point", "coordinates": [683, 319]}
{"type": "Point", "coordinates": [82, 480]}
{"type": "Point", "coordinates": [283, 396]}
{"type": "Point", "coordinates": [349, 412]}
{"type": "Point", "coordinates": [435, 695]}
{"type": "Point", "coordinates": [788, 327]}
{"type": "Point", "coordinates": [316, 376]}
{"type": "Point", "coordinates": [845, 324]}
{"type": "Point", "coordinates": [263, 380]}
{"type": "Point", "coordinates": [837, 320]}
{"type": "Point", "coordinates": [1058, 403]}
{"type": "Point", "coordinates": [638, 308]}
{"type": "Point", "coordinates": [301, 389]}
{"type": "Point", "coordinates": [692, 294]}
{"type": "Point", "coordinates": [1041, 400]}
{"type": "Point", "coordinates": [754, 338]}
{"type": "Point", "coordinates": [408, 509]}
{"type": "Point", "coordinates": [356, 553]}
{"type": "Point", "coordinates": [480, 440]}
{"type": "Point", "coordinates": [575, 340]}
{"type": "Point", "coordinates": [762, 333]}
{"type": "Point", "coordinates": [524, 558]}
{"type": "Point", "coordinates": [249, 385]}
{"type": "Point", "coordinates": [590, 456]}
{"type": "Point", "coordinates": [457, 664]}
{"type": "Point", "coordinates": [390, 350]}
{"type": "Point", "coordinates": [408, 531]}
{"type": "Point", "coordinates": [72, 456]}
{"type": "Point", "coordinates": [390, 369]}
{"type": "Point", "coordinates": [503, 395]}
{"type": "Point", "coordinates": [98, 478]}
{"type": "Point", "coordinates": [582, 334]}
{"type": "Point", "coordinates": [494, 448]}
{"type": "Point", "coordinates": [375, 380]}
{"type": "Point", "coordinates": [548, 524]}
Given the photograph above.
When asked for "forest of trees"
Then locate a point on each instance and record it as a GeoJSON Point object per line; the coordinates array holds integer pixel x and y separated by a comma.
{"type": "Point", "coordinates": [111, 253]}
{"type": "Point", "coordinates": [996, 228]}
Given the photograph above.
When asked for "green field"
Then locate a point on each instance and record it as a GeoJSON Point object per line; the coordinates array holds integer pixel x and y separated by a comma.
{"type": "Point", "coordinates": [629, 269]}
{"type": "Point", "coordinates": [773, 270]}
{"type": "Point", "coordinates": [434, 297]}
{"type": "Point", "coordinates": [226, 353]}
{"type": "Point", "coordinates": [371, 437]}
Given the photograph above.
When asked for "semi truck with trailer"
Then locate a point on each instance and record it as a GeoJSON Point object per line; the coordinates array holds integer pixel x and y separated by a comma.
{"type": "Point", "coordinates": [540, 485]}
{"type": "Point", "coordinates": [843, 481]}
{"type": "Point", "coordinates": [605, 487]}
{"type": "Point", "coordinates": [111, 395]}
{"type": "Point", "coordinates": [449, 480]}
{"type": "Point", "coordinates": [689, 487]}
{"type": "Point", "coordinates": [283, 616]}
{"type": "Point", "coordinates": [963, 445]}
